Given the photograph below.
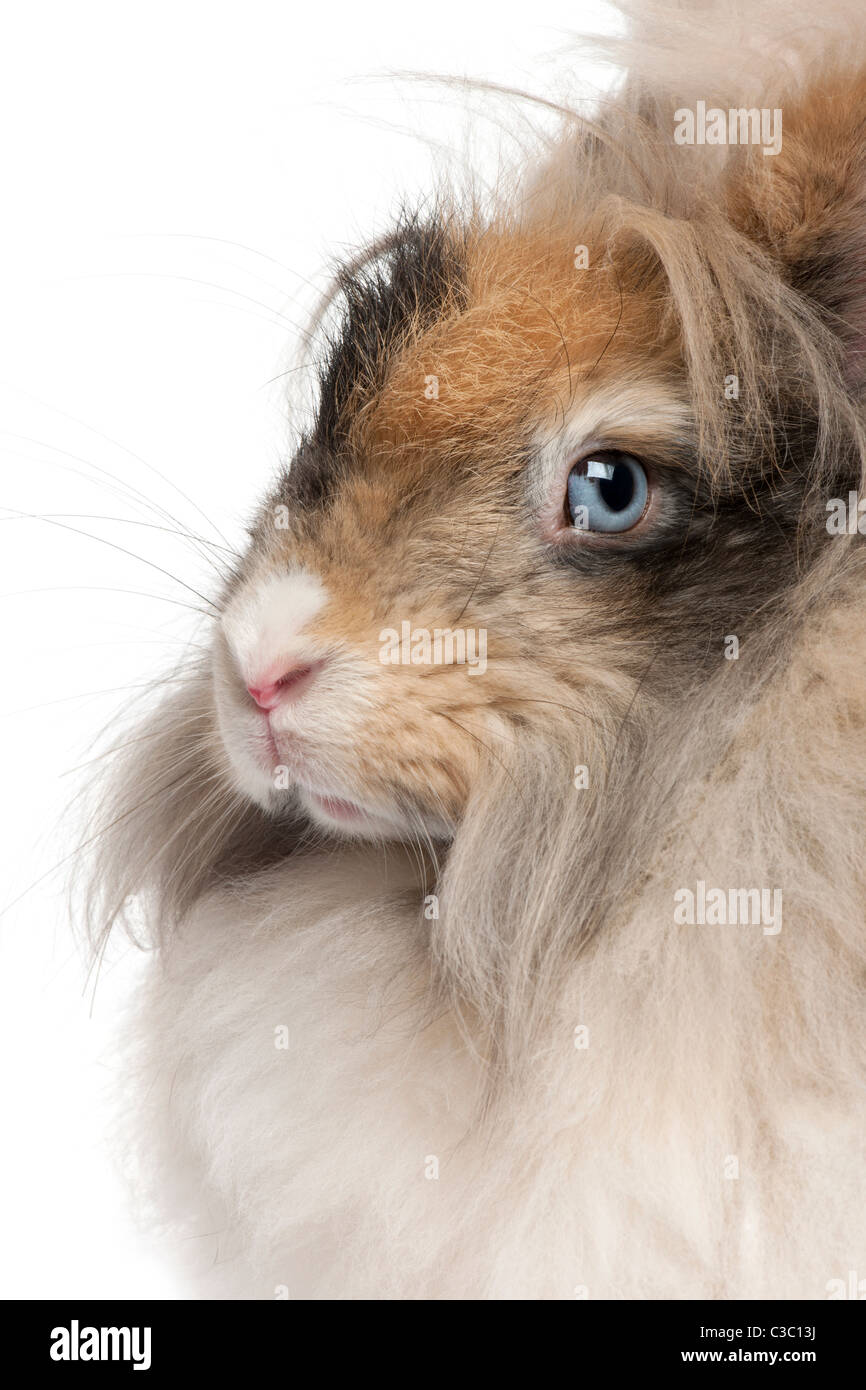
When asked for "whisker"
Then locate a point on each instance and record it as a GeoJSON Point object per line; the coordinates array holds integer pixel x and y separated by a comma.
{"type": "Point", "coordinates": [44, 405]}
{"type": "Point", "coordinates": [85, 844]}
{"type": "Point", "coordinates": [121, 489]}
{"type": "Point", "coordinates": [128, 743]}
{"type": "Point", "coordinates": [104, 589]}
{"type": "Point", "coordinates": [77, 530]}
{"type": "Point", "coordinates": [91, 695]}
{"type": "Point", "coordinates": [128, 521]}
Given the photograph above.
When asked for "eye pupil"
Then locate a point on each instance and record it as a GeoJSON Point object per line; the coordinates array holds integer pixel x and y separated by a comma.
{"type": "Point", "coordinates": [618, 491]}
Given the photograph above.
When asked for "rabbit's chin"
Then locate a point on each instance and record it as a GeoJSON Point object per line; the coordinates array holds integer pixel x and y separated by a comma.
{"type": "Point", "coordinates": [354, 819]}
{"type": "Point", "coordinates": [280, 779]}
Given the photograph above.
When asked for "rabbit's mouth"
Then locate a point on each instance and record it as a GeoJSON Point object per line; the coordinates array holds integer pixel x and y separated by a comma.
{"type": "Point", "coordinates": [286, 756]}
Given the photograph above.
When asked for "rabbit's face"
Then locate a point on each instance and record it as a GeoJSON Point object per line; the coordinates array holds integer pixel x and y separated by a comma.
{"type": "Point", "coordinates": [496, 529]}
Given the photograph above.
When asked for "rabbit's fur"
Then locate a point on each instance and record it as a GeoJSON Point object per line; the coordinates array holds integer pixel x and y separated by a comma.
{"type": "Point", "coordinates": [460, 1046]}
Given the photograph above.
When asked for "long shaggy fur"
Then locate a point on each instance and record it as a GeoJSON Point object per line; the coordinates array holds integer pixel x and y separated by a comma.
{"type": "Point", "coordinates": [543, 1086]}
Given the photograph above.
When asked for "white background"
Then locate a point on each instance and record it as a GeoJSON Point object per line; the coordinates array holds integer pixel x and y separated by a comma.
{"type": "Point", "coordinates": [176, 180]}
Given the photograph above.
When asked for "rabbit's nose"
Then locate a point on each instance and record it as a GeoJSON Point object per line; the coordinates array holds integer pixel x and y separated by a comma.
{"type": "Point", "coordinates": [290, 686]}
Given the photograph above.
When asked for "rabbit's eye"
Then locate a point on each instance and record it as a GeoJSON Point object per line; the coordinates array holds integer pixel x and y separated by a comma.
{"type": "Point", "coordinates": [606, 492]}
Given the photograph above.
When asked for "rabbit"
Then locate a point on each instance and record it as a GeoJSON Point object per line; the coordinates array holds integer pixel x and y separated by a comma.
{"type": "Point", "coordinates": [500, 861]}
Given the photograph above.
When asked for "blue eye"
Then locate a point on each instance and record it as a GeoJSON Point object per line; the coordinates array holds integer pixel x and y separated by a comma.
{"type": "Point", "coordinates": [607, 492]}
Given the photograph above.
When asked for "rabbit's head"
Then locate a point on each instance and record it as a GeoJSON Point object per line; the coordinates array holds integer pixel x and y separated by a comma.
{"type": "Point", "coordinates": [569, 454]}
{"type": "Point", "coordinates": [557, 469]}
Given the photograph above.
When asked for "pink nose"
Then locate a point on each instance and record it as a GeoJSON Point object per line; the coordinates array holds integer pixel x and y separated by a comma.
{"type": "Point", "coordinates": [265, 696]}
{"type": "Point", "coordinates": [289, 686]}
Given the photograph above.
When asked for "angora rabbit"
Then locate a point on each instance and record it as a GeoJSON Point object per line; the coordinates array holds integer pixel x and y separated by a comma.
{"type": "Point", "coordinates": [502, 861]}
